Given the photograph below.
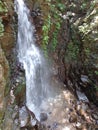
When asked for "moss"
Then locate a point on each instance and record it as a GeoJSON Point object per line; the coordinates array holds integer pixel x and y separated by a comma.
{"type": "Point", "coordinates": [3, 8]}
{"type": "Point", "coordinates": [52, 25]}
{"type": "Point", "coordinates": [19, 88]}
{"type": "Point", "coordinates": [72, 51]}
{"type": "Point", "coordinates": [3, 11]}
{"type": "Point", "coordinates": [19, 93]}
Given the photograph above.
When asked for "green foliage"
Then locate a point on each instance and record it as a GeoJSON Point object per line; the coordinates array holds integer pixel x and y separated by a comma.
{"type": "Point", "coordinates": [87, 51]}
{"type": "Point", "coordinates": [96, 87]}
{"type": "Point", "coordinates": [96, 72]}
{"type": "Point", "coordinates": [55, 35]}
{"type": "Point", "coordinates": [74, 46]}
{"type": "Point", "coordinates": [72, 51]}
{"type": "Point", "coordinates": [61, 6]}
{"type": "Point", "coordinates": [3, 8]}
{"type": "Point", "coordinates": [84, 5]}
{"type": "Point", "coordinates": [55, 9]}
{"type": "Point", "coordinates": [53, 20]}
{"type": "Point", "coordinates": [20, 88]}
{"type": "Point", "coordinates": [84, 29]}
{"type": "Point", "coordinates": [46, 29]}
{"type": "Point", "coordinates": [89, 33]}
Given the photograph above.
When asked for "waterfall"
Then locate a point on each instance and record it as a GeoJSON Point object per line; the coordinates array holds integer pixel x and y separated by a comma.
{"type": "Point", "coordinates": [32, 60]}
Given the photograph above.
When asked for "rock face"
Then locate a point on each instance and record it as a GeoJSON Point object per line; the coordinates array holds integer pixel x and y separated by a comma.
{"type": "Point", "coordinates": [82, 50]}
{"type": "Point", "coordinates": [7, 38]}
{"type": "Point", "coordinates": [6, 44]}
{"type": "Point", "coordinates": [4, 73]}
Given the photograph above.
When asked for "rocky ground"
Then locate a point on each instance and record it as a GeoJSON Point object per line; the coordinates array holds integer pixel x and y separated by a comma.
{"type": "Point", "coordinates": [62, 112]}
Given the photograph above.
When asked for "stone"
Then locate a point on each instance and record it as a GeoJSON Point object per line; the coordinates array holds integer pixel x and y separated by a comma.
{"type": "Point", "coordinates": [78, 125]}
{"type": "Point", "coordinates": [8, 121]}
{"type": "Point", "coordinates": [43, 116]}
{"type": "Point", "coordinates": [23, 117]}
{"type": "Point", "coordinates": [84, 79]}
{"type": "Point", "coordinates": [95, 116]}
{"type": "Point", "coordinates": [33, 122]}
{"type": "Point", "coordinates": [73, 118]}
{"type": "Point", "coordinates": [4, 78]}
{"type": "Point", "coordinates": [55, 125]}
{"type": "Point", "coordinates": [14, 115]}
{"type": "Point", "coordinates": [16, 121]}
{"type": "Point", "coordinates": [97, 122]}
{"type": "Point", "coordinates": [84, 107]}
{"type": "Point", "coordinates": [82, 96]}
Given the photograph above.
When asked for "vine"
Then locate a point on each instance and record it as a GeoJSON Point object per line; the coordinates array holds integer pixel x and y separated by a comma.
{"type": "Point", "coordinates": [46, 29]}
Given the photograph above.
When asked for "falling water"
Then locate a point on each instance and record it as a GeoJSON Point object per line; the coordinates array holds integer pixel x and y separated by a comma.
{"type": "Point", "coordinates": [38, 87]}
{"type": "Point", "coordinates": [31, 59]}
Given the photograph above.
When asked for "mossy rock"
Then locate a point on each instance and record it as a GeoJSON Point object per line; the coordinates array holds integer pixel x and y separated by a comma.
{"type": "Point", "coordinates": [3, 8]}
{"type": "Point", "coordinates": [20, 93]}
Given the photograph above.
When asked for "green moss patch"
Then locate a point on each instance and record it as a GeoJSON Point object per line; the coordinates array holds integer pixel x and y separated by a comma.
{"type": "Point", "coordinates": [3, 8]}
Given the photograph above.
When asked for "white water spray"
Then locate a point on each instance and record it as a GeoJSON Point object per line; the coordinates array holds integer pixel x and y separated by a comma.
{"type": "Point", "coordinates": [31, 59]}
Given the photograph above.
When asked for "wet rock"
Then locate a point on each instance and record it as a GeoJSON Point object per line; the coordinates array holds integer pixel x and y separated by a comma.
{"type": "Point", "coordinates": [95, 116]}
{"type": "Point", "coordinates": [23, 117]}
{"type": "Point", "coordinates": [14, 115]}
{"type": "Point", "coordinates": [19, 92]}
{"type": "Point", "coordinates": [33, 122]}
{"type": "Point", "coordinates": [17, 80]}
{"type": "Point", "coordinates": [84, 79]}
{"type": "Point", "coordinates": [97, 122]}
{"type": "Point", "coordinates": [84, 107]}
{"type": "Point", "coordinates": [55, 125]}
{"type": "Point", "coordinates": [82, 96]}
{"type": "Point", "coordinates": [43, 116]}
{"type": "Point", "coordinates": [16, 108]}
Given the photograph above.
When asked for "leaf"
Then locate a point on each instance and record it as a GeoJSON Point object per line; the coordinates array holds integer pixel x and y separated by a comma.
{"type": "Point", "coordinates": [96, 72]}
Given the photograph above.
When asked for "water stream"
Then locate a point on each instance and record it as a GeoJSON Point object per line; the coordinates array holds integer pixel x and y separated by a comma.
{"type": "Point", "coordinates": [36, 71]}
